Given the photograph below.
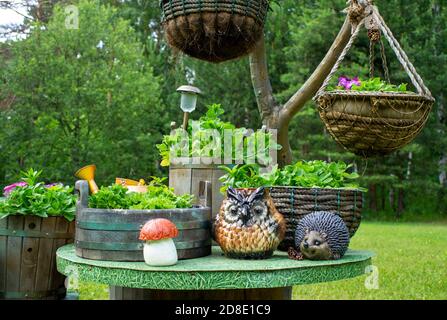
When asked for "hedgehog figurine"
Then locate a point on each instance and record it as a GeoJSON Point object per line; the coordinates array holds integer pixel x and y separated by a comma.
{"type": "Point", "coordinates": [320, 236]}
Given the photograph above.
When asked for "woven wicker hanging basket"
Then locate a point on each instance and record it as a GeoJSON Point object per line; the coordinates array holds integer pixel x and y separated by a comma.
{"type": "Point", "coordinates": [295, 203]}
{"type": "Point", "coordinates": [214, 30]}
{"type": "Point", "coordinates": [375, 123]}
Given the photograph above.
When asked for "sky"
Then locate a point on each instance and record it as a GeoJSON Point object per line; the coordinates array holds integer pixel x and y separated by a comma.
{"type": "Point", "coordinates": [9, 16]}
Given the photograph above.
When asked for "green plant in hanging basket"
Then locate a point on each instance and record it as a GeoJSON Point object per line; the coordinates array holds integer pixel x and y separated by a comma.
{"type": "Point", "coordinates": [369, 85]}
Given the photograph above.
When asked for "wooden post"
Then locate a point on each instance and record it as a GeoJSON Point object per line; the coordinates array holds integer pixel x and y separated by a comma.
{"type": "Point", "coordinates": [121, 293]}
{"type": "Point", "coordinates": [185, 120]}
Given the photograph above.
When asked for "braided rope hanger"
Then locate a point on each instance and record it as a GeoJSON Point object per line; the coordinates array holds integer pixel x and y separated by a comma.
{"type": "Point", "coordinates": [373, 17]}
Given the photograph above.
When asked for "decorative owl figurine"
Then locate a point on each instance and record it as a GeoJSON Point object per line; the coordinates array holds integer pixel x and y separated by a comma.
{"type": "Point", "coordinates": [248, 225]}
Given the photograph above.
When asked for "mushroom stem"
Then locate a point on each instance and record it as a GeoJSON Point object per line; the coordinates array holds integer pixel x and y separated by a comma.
{"type": "Point", "coordinates": [160, 253]}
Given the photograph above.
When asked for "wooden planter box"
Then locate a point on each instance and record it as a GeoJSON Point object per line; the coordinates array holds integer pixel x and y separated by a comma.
{"type": "Point", "coordinates": [109, 234]}
{"type": "Point", "coordinates": [186, 179]}
{"type": "Point", "coordinates": [28, 247]}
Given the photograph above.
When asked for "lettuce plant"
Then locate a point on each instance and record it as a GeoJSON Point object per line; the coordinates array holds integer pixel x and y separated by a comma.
{"type": "Point", "coordinates": [306, 174]}
{"type": "Point", "coordinates": [158, 196]}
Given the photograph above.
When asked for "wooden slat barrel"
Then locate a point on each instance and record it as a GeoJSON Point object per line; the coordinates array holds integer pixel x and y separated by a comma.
{"type": "Point", "coordinates": [112, 235]}
{"type": "Point", "coordinates": [28, 247]}
{"type": "Point", "coordinates": [186, 179]}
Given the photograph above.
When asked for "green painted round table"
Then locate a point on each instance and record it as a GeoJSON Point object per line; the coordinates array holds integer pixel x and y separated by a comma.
{"type": "Point", "coordinates": [212, 277]}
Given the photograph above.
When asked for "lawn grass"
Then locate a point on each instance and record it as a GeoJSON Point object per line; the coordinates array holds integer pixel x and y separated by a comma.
{"type": "Point", "coordinates": [411, 259]}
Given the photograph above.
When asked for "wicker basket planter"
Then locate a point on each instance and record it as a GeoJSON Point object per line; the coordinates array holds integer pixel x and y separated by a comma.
{"type": "Point", "coordinates": [214, 30]}
{"type": "Point", "coordinates": [373, 123]}
{"type": "Point", "coordinates": [294, 203]}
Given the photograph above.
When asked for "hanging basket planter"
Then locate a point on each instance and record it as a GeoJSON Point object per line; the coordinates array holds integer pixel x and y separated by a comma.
{"type": "Point", "coordinates": [373, 123]}
{"type": "Point", "coordinates": [214, 30]}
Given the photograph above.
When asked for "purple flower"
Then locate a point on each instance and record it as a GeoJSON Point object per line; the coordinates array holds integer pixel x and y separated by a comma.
{"type": "Point", "coordinates": [347, 83]}
{"type": "Point", "coordinates": [52, 185]}
{"type": "Point", "coordinates": [8, 189]}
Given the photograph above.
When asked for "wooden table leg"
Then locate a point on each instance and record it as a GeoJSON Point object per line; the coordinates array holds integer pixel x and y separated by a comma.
{"type": "Point", "coordinates": [122, 293]}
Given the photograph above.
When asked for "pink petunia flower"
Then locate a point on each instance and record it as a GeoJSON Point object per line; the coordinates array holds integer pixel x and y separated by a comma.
{"type": "Point", "coordinates": [8, 189]}
{"type": "Point", "coordinates": [348, 83]}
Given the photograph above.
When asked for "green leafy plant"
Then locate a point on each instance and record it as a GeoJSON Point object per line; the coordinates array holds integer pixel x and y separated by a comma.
{"type": "Point", "coordinates": [158, 196]}
{"type": "Point", "coordinates": [373, 84]}
{"type": "Point", "coordinates": [202, 145]}
{"type": "Point", "coordinates": [111, 197]}
{"type": "Point", "coordinates": [35, 198]}
{"type": "Point", "coordinates": [376, 84]}
{"type": "Point", "coordinates": [311, 174]}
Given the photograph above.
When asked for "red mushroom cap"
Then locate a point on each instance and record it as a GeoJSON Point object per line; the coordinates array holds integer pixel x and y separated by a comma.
{"type": "Point", "coordinates": [158, 229]}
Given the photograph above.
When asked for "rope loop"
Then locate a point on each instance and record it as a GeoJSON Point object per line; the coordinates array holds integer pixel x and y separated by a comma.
{"type": "Point", "coordinates": [372, 20]}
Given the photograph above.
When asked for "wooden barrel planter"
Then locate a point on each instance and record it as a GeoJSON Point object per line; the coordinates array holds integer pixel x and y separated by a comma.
{"type": "Point", "coordinates": [186, 179]}
{"type": "Point", "coordinates": [294, 203]}
{"type": "Point", "coordinates": [28, 247]}
{"type": "Point", "coordinates": [112, 235]}
{"type": "Point", "coordinates": [373, 123]}
{"type": "Point", "coordinates": [214, 30]}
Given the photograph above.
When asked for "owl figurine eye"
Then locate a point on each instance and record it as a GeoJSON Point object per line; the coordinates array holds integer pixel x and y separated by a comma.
{"type": "Point", "coordinates": [258, 210]}
{"type": "Point", "coordinates": [233, 210]}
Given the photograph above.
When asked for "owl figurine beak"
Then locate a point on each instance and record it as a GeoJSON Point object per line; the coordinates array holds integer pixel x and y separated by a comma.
{"type": "Point", "coordinates": [245, 216]}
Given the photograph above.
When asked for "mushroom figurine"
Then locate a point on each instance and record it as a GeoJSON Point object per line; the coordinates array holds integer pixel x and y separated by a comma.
{"type": "Point", "coordinates": [159, 248]}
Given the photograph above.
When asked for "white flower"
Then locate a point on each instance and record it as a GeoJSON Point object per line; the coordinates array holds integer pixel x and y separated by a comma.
{"type": "Point", "coordinates": [100, 44]}
{"type": "Point", "coordinates": [78, 56]}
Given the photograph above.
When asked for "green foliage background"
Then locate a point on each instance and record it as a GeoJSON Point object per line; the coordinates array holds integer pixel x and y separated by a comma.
{"type": "Point", "coordinates": [77, 103]}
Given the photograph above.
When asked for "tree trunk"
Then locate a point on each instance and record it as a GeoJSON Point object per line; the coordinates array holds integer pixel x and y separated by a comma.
{"type": "Point", "coordinates": [373, 197]}
{"type": "Point", "coordinates": [40, 10]}
{"type": "Point", "coordinates": [443, 160]}
{"type": "Point", "coordinates": [383, 198]}
{"type": "Point", "coordinates": [392, 199]}
{"type": "Point", "coordinates": [409, 164]}
{"type": "Point", "coordinates": [442, 170]}
{"type": "Point", "coordinates": [400, 203]}
{"type": "Point", "coordinates": [278, 117]}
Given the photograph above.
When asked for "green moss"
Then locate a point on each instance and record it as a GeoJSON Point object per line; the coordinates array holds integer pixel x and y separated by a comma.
{"type": "Point", "coordinates": [213, 272]}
